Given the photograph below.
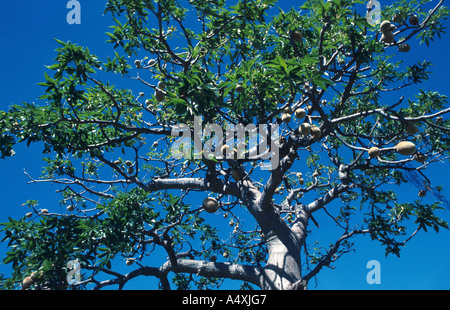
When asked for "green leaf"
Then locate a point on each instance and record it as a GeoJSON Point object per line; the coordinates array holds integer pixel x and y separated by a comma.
{"type": "Point", "coordinates": [10, 257]}
{"type": "Point", "coordinates": [60, 42]}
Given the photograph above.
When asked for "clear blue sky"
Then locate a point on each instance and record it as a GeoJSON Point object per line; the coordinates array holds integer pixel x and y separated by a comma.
{"type": "Point", "coordinates": [28, 28]}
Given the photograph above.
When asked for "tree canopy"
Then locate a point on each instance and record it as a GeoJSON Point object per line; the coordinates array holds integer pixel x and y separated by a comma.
{"type": "Point", "coordinates": [347, 138]}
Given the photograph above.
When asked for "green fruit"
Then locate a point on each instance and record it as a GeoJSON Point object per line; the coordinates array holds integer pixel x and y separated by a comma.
{"type": "Point", "coordinates": [70, 208]}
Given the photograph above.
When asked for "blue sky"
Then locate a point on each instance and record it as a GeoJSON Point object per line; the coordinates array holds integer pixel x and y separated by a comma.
{"type": "Point", "coordinates": [28, 28]}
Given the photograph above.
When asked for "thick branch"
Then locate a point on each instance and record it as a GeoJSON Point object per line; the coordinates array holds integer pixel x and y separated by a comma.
{"type": "Point", "coordinates": [393, 117]}
{"type": "Point", "coordinates": [219, 270]}
{"type": "Point", "coordinates": [329, 197]}
{"type": "Point", "coordinates": [217, 186]}
{"type": "Point", "coordinates": [201, 268]}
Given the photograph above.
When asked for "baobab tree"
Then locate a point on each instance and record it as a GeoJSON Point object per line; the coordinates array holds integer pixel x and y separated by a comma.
{"type": "Point", "coordinates": [336, 139]}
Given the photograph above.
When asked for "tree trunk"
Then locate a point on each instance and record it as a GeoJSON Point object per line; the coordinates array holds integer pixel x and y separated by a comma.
{"type": "Point", "coordinates": [283, 266]}
{"type": "Point", "coordinates": [282, 269]}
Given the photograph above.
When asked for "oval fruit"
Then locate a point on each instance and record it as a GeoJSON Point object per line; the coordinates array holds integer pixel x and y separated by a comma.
{"type": "Point", "coordinates": [421, 158]}
{"type": "Point", "coordinates": [210, 205]}
{"type": "Point", "coordinates": [388, 37]}
{"type": "Point", "coordinates": [296, 36]}
{"type": "Point", "coordinates": [406, 148]}
{"type": "Point", "coordinates": [287, 110]}
{"type": "Point", "coordinates": [161, 85]}
{"type": "Point", "coordinates": [305, 129]}
{"type": "Point", "coordinates": [26, 283]}
{"type": "Point", "coordinates": [286, 117]}
{"type": "Point", "coordinates": [414, 20]}
{"type": "Point", "coordinates": [412, 128]}
{"type": "Point", "coordinates": [385, 26]}
{"type": "Point", "coordinates": [374, 152]}
{"type": "Point", "coordinates": [159, 96]}
{"type": "Point", "coordinates": [404, 48]}
{"type": "Point", "coordinates": [300, 113]}
{"type": "Point", "coordinates": [316, 132]}
{"type": "Point", "coordinates": [422, 193]}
